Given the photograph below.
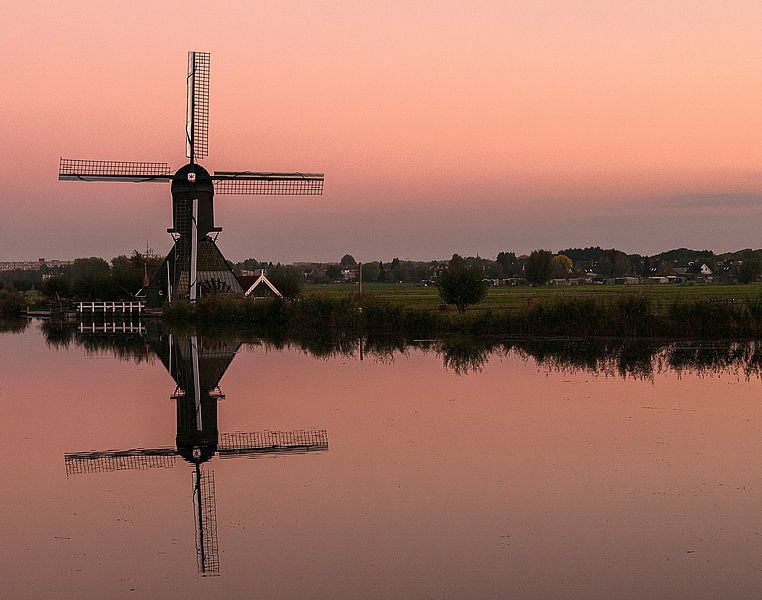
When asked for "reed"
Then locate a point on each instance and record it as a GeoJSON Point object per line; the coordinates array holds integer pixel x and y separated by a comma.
{"type": "Point", "coordinates": [12, 304]}
{"type": "Point", "coordinates": [627, 316]}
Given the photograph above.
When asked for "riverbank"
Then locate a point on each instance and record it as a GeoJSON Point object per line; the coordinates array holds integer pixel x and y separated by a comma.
{"type": "Point", "coordinates": [12, 304]}
{"type": "Point", "coordinates": [624, 316]}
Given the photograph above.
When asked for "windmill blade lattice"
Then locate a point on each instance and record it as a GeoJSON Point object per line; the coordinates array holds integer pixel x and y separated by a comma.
{"type": "Point", "coordinates": [112, 170]}
{"type": "Point", "coordinates": [78, 463]}
{"type": "Point", "coordinates": [270, 184]}
{"type": "Point", "coordinates": [205, 507]}
{"type": "Point", "coordinates": [272, 442]}
{"type": "Point", "coordinates": [197, 113]}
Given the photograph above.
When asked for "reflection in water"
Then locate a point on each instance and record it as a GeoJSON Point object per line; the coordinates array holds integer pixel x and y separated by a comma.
{"type": "Point", "coordinates": [13, 325]}
{"type": "Point", "coordinates": [527, 480]}
{"type": "Point", "coordinates": [197, 365]}
{"type": "Point", "coordinates": [625, 357]}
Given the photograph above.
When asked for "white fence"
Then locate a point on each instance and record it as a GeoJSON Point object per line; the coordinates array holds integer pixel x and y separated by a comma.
{"type": "Point", "coordinates": [112, 328]}
{"type": "Point", "coordinates": [112, 307]}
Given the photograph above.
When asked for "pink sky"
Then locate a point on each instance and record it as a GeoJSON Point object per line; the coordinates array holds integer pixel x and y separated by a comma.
{"type": "Point", "coordinates": [441, 126]}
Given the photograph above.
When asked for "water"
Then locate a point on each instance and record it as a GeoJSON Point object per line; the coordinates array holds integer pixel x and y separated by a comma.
{"type": "Point", "coordinates": [449, 470]}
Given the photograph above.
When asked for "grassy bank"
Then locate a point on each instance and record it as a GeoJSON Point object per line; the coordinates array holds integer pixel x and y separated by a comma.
{"type": "Point", "coordinates": [628, 315]}
{"type": "Point", "coordinates": [500, 298]}
{"type": "Point", "coordinates": [12, 304]}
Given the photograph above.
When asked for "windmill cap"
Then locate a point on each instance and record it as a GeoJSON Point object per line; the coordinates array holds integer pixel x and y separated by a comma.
{"type": "Point", "coordinates": [192, 174]}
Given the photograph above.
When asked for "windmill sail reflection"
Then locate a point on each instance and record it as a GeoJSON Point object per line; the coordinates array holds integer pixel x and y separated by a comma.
{"type": "Point", "coordinates": [197, 365]}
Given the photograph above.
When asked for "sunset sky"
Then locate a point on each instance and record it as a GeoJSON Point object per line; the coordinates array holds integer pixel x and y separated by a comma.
{"type": "Point", "coordinates": [441, 127]}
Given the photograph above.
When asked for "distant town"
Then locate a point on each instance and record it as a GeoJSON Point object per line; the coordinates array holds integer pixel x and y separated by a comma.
{"type": "Point", "coordinates": [32, 265]}
{"type": "Point", "coordinates": [566, 267]}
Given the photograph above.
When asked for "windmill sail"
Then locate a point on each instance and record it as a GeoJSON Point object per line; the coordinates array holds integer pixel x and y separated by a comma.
{"type": "Point", "coordinates": [78, 463]}
{"type": "Point", "coordinates": [197, 110]}
{"type": "Point", "coordinates": [112, 170]}
{"type": "Point", "coordinates": [272, 442]}
{"type": "Point", "coordinates": [275, 184]}
{"type": "Point", "coordinates": [195, 267]}
{"type": "Point", "coordinates": [205, 508]}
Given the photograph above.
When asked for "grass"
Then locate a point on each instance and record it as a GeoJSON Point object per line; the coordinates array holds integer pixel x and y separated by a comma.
{"type": "Point", "coordinates": [625, 314]}
{"type": "Point", "coordinates": [514, 298]}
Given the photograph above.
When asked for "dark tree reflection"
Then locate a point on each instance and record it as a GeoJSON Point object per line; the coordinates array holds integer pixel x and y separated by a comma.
{"type": "Point", "coordinates": [639, 358]}
{"type": "Point", "coordinates": [13, 325]}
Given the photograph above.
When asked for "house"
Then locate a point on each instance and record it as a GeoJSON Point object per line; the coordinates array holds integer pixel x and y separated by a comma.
{"type": "Point", "coordinates": [258, 287]}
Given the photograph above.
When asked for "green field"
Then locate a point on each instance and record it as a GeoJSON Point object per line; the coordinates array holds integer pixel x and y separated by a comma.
{"type": "Point", "coordinates": [508, 298]}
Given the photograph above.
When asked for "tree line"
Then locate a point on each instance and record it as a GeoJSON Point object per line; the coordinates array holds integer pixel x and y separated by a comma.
{"type": "Point", "coordinates": [122, 277]}
{"type": "Point", "coordinates": [87, 278]}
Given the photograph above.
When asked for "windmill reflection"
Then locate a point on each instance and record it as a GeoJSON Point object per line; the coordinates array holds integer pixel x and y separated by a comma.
{"type": "Point", "coordinates": [197, 365]}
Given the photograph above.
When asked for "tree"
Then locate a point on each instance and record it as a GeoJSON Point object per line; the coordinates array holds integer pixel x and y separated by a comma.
{"type": "Point", "coordinates": [663, 269]}
{"type": "Point", "coordinates": [252, 264]}
{"type": "Point", "coordinates": [589, 254]}
{"type": "Point", "coordinates": [288, 280]}
{"type": "Point", "coordinates": [750, 270]}
{"type": "Point", "coordinates": [539, 267]}
{"type": "Point", "coordinates": [333, 272]}
{"type": "Point", "coordinates": [461, 285]}
{"type": "Point", "coordinates": [56, 287]}
{"type": "Point", "coordinates": [495, 270]}
{"type": "Point", "coordinates": [348, 262]}
{"type": "Point", "coordinates": [613, 263]}
{"type": "Point", "coordinates": [91, 278]}
{"type": "Point", "coordinates": [646, 272]}
{"type": "Point", "coordinates": [127, 272]}
{"type": "Point", "coordinates": [370, 271]}
{"type": "Point", "coordinates": [562, 265]}
{"type": "Point", "coordinates": [508, 261]}
{"type": "Point", "coordinates": [396, 271]}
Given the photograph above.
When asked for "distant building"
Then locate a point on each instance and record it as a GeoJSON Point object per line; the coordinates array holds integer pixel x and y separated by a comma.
{"type": "Point", "coordinates": [32, 265]}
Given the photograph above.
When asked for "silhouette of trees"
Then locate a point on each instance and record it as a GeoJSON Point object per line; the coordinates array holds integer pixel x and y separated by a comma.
{"type": "Point", "coordinates": [614, 263]}
{"type": "Point", "coordinates": [333, 272]}
{"type": "Point", "coordinates": [288, 280]}
{"type": "Point", "coordinates": [562, 265]}
{"type": "Point", "coordinates": [11, 304]}
{"type": "Point", "coordinates": [750, 270]}
{"type": "Point", "coordinates": [509, 262]}
{"type": "Point", "coordinates": [461, 285]}
{"type": "Point", "coordinates": [370, 271]}
{"type": "Point", "coordinates": [539, 267]}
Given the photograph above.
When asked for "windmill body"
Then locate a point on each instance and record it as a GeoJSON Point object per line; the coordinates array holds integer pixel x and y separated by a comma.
{"type": "Point", "coordinates": [195, 266]}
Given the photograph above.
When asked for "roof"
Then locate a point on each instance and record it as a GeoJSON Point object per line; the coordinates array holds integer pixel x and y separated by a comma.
{"type": "Point", "coordinates": [249, 283]}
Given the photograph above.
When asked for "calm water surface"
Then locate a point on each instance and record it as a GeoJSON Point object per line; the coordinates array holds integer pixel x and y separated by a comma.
{"type": "Point", "coordinates": [397, 476]}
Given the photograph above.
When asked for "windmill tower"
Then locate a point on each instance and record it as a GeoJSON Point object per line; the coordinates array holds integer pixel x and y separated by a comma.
{"type": "Point", "coordinates": [197, 366]}
{"type": "Point", "coordinates": [195, 265]}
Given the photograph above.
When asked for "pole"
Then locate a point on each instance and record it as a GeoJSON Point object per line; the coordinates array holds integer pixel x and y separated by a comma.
{"type": "Point", "coordinates": [359, 278]}
{"type": "Point", "coordinates": [194, 251]}
{"type": "Point", "coordinates": [190, 124]}
{"type": "Point", "coordinates": [196, 382]}
{"type": "Point", "coordinates": [169, 281]}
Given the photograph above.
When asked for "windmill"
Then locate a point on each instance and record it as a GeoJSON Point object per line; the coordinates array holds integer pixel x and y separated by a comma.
{"type": "Point", "coordinates": [195, 264]}
{"type": "Point", "coordinates": [197, 365]}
